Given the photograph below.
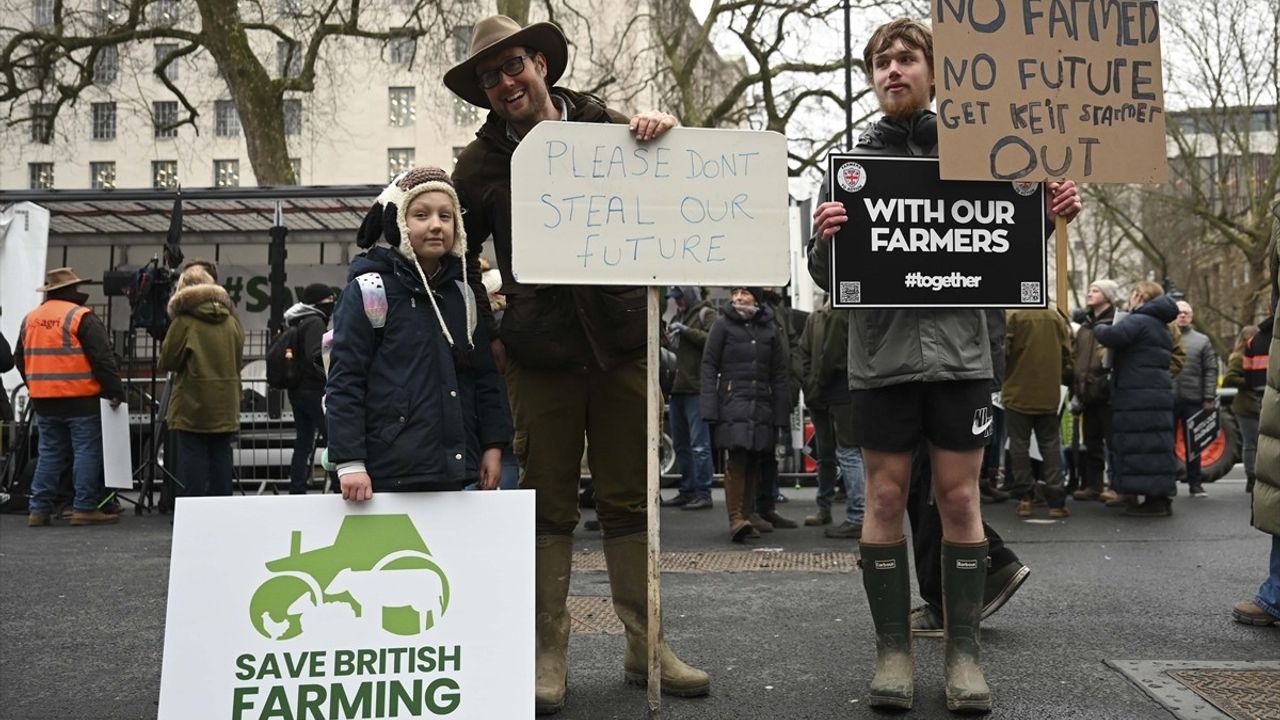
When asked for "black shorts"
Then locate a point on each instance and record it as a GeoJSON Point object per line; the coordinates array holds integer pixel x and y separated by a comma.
{"type": "Point", "coordinates": [954, 415]}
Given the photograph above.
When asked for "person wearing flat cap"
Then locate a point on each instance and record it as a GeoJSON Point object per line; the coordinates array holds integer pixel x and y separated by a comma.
{"type": "Point", "coordinates": [64, 355]}
{"type": "Point", "coordinates": [573, 356]}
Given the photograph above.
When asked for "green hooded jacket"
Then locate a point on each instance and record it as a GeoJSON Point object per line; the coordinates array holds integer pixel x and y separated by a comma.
{"type": "Point", "coordinates": [1266, 490]}
{"type": "Point", "coordinates": [203, 349]}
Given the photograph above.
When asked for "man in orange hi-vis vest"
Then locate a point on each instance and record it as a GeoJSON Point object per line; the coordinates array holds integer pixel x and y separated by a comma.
{"type": "Point", "coordinates": [64, 355]}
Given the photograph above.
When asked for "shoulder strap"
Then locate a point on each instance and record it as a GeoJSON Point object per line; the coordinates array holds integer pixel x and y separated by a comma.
{"type": "Point", "coordinates": [469, 302]}
{"type": "Point", "coordinates": [374, 296]}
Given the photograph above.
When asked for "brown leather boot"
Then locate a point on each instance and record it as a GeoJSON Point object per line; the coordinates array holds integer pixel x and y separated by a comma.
{"type": "Point", "coordinates": [734, 493]}
{"type": "Point", "coordinates": [553, 558]}
{"type": "Point", "coordinates": [627, 561]}
{"type": "Point", "coordinates": [93, 517]}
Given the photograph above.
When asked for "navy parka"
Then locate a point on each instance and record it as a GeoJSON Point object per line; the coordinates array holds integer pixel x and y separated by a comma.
{"type": "Point", "coordinates": [416, 411]}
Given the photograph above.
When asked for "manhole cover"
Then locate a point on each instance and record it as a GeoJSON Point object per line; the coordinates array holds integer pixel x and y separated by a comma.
{"type": "Point", "coordinates": [1239, 693]}
{"type": "Point", "coordinates": [593, 615]}
{"type": "Point", "coordinates": [1208, 689]}
{"type": "Point", "coordinates": [733, 561]}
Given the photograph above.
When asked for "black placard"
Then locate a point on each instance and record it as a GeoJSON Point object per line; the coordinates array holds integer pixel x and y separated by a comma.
{"type": "Point", "coordinates": [1202, 428]}
{"type": "Point", "coordinates": [913, 240]}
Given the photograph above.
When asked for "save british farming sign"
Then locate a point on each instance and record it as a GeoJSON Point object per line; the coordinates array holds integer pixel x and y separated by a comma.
{"type": "Point", "coordinates": [311, 607]}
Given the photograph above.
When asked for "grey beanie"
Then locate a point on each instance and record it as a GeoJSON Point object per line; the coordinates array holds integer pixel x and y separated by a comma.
{"type": "Point", "coordinates": [1110, 289]}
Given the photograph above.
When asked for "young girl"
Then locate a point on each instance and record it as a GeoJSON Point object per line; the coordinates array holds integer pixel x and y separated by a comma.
{"type": "Point", "coordinates": [414, 399]}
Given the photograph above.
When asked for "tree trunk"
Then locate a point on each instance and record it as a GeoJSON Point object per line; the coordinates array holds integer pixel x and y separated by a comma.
{"type": "Point", "coordinates": [517, 10]}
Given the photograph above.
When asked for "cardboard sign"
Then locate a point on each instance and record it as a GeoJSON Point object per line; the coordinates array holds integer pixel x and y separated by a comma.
{"type": "Point", "coordinates": [117, 460]}
{"type": "Point", "coordinates": [1049, 89]}
{"type": "Point", "coordinates": [409, 605]}
{"type": "Point", "coordinates": [913, 240]}
{"type": "Point", "coordinates": [1202, 429]}
{"type": "Point", "coordinates": [590, 205]}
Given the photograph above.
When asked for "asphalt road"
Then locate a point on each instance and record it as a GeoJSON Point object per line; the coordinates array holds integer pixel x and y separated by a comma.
{"type": "Point", "coordinates": [82, 625]}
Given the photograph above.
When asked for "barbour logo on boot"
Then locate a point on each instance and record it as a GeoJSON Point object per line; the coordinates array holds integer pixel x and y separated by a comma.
{"type": "Point", "coordinates": [886, 564]}
{"type": "Point", "coordinates": [966, 564]}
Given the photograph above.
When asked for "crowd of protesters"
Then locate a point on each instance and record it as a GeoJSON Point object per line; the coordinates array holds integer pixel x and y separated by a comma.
{"type": "Point", "coordinates": [438, 370]}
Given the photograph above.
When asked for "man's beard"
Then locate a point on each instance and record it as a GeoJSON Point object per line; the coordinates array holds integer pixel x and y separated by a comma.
{"type": "Point", "coordinates": [901, 107]}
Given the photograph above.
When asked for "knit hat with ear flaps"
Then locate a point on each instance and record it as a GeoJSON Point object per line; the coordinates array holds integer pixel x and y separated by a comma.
{"type": "Point", "coordinates": [393, 204]}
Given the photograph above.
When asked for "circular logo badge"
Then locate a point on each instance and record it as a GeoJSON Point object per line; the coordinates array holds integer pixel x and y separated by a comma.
{"type": "Point", "coordinates": [1025, 188]}
{"type": "Point", "coordinates": [851, 177]}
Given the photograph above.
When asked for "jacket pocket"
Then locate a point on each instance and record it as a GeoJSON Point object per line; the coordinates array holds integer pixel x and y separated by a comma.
{"type": "Point", "coordinates": [622, 312]}
{"type": "Point", "coordinates": [387, 427]}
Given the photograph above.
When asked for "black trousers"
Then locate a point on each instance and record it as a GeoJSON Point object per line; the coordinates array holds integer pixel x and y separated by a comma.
{"type": "Point", "coordinates": [1097, 434]}
{"type": "Point", "coordinates": [926, 532]}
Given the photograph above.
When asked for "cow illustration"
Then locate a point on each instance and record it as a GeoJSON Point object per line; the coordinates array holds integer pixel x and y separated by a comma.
{"type": "Point", "coordinates": [416, 588]}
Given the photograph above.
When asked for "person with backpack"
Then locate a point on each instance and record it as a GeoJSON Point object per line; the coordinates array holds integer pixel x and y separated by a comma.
{"type": "Point", "coordinates": [306, 322]}
{"type": "Point", "coordinates": [203, 348]}
{"type": "Point", "coordinates": [414, 398]}
{"type": "Point", "coordinates": [1247, 372]}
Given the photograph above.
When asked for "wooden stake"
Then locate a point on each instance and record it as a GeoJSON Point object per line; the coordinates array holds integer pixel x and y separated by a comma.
{"type": "Point", "coordinates": [1060, 234]}
{"type": "Point", "coordinates": [653, 408]}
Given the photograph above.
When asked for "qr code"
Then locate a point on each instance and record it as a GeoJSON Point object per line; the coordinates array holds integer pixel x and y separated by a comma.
{"type": "Point", "coordinates": [1031, 292]}
{"type": "Point", "coordinates": [850, 291]}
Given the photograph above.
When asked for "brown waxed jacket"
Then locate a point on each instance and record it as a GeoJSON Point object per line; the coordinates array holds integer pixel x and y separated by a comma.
{"type": "Point", "coordinates": [551, 327]}
{"type": "Point", "coordinates": [1038, 360]}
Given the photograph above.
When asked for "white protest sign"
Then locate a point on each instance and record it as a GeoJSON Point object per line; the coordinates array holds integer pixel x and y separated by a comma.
{"type": "Point", "coordinates": [409, 605]}
{"type": "Point", "coordinates": [590, 205]}
{"type": "Point", "coordinates": [117, 460]}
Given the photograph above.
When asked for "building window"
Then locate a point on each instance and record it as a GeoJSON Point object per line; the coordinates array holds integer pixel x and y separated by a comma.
{"type": "Point", "coordinates": [102, 175]}
{"type": "Point", "coordinates": [104, 120]}
{"type": "Point", "coordinates": [42, 123]}
{"type": "Point", "coordinates": [403, 49]}
{"type": "Point", "coordinates": [402, 106]}
{"type": "Point", "coordinates": [164, 118]}
{"type": "Point", "coordinates": [288, 59]}
{"type": "Point", "coordinates": [461, 42]}
{"type": "Point", "coordinates": [41, 175]}
{"type": "Point", "coordinates": [296, 164]}
{"type": "Point", "coordinates": [226, 121]}
{"type": "Point", "coordinates": [398, 161]}
{"type": "Point", "coordinates": [226, 173]}
{"type": "Point", "coordinates": [292, 116]}
{"type": "Point", "coordinates": [106, 66]}
{"type": "Point", "coordinates": [464, 113]}
{"type": "Point", "coordinates": [43, 15]}
{"type": "Point", "coordinates": [164, 50]}
{"type": "Point", "coordinates": [164, 174]}
{"type": "Point", "coordinates": [163, 13]}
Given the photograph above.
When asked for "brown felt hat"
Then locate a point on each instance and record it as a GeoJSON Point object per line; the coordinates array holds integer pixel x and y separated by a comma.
{"type": "Point", "coordinates": [60, 278]}
{"type": "Point", "coordinates": [499, 32]}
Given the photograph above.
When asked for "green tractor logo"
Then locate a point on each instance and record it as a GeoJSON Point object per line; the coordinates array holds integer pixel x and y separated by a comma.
{"type": "Point", "coordinates": [377, 573]}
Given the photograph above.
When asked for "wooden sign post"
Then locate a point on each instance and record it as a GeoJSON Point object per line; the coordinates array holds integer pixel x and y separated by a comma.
{"type": "Point", "coordinates": [591, 206]}
{"type": "Point", "coordinates": [1041, 90]}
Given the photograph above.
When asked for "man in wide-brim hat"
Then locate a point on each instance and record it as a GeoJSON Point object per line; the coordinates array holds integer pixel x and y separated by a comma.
{"type": "Point", "coordinates": [576, 354]}
{"type": "Point", "coordinates": [64, 355]}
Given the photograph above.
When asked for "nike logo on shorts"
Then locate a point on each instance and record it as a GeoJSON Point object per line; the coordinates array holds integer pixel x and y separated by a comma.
{"type": "Point", "coordinates": [982, 420]}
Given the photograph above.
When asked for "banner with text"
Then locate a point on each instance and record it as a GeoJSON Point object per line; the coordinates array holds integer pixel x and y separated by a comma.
{"type": "Point", "coordinates": [913, 240]}
{"type": "Point", "coordinates": [1049, 89]}
{"type": "Point", "coordinates": [250, 287]}
{"type": "Point", "coordinates": [703, 207]}
{"type": "Point", "coordinates": [409, 605]}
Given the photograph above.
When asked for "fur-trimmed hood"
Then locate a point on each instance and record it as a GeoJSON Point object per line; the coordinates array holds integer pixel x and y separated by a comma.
{"type": "Point", "coordinates": [209, 303]}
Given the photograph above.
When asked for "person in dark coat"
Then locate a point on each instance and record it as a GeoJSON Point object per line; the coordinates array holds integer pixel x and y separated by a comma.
{"type": "Point", "coordinates": [307, 399]}
{"type": "Point", "coordinates": [1142, 400]}
{"type": "Point", "coordinates": [414, 397]}
{"type": "Point", "coordinates": [744, 393]}
{"type": "Point", "coordinates": [203, 349]}
{"type": "Point", "coordinates": [686, 336]}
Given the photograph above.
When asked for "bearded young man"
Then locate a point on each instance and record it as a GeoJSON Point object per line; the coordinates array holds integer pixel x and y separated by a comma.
{"type": "Point", "coordinates": [930, 374]}
{"type": "Point", "coordinates": [573, 356]}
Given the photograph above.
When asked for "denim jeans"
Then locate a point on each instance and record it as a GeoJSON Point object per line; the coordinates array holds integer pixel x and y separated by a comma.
{"type": "Point", "coordinates": [204, 464]}
{"type": "Point", "coordinates": [853, 472]}
{"type": "Point", "coordinates": [74, 441]}
{"type": "Point", "coordinates": [1269, 594]}
{"type": "Point", "coordinates": [824, 446]}
{"type": "Point", "coordinates": [691, 439]}
{"type": "Point", "coordinates": [308, 419]}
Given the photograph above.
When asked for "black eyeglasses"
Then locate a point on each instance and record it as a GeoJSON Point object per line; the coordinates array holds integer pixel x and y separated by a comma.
{"type": "Point", "coordinates": [511, 68]}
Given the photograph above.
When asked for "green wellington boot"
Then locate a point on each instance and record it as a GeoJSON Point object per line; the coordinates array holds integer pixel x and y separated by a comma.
{"type": "Point", "coordinates": [627, 560]}
{"type": "Point", "coordinates": [887, 579]}
{"type": "Point", "coordinates": [553, 558]}
{"type": "Point", "coordinates": [964, 575]}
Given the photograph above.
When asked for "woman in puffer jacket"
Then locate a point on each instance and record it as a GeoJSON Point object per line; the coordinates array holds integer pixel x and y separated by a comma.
{"type": "Point", "coordinates": [744, 396]}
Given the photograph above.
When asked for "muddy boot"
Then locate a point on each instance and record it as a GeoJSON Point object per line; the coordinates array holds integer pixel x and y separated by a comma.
{"type": "Point", "coordinates": [627, 560]}
{"type": "Point", "coordinates": [887, 579]}
{"type": "Point", "coordinates": [964, 576]}
{"type": "Point", "coordinates": [553, 558]}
